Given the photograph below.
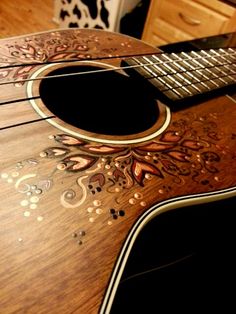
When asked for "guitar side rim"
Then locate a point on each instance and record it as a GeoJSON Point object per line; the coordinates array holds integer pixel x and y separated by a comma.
{"type": "Point", "coordinates": [152, 212]}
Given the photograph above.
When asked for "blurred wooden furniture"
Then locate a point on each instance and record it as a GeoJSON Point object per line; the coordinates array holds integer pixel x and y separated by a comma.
{"type": "Point", "coordinates": [174, 21]}
{"type": "Point", "coordinates": [25, 17]}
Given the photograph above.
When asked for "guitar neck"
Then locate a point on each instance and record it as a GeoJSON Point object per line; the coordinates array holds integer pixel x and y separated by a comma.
{"type": "Point", "coordinates": [187, 74]}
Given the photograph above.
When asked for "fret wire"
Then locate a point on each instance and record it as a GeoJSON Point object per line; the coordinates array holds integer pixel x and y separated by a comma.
{"type": "Point", "coordinates": [222, 79]}
{"type": "Point", "coordinates": [166, 81]}
{"type": "Point", "coordinates": [193, 76]}
{"type": "Point", "coordinates": [210, 73]}
{"type": "Point", "coordinates": [174, 81]}
{"type": "Point", "coordinates": [217, 85]}
{"type": "Point", "coordinates": [198, 58]}
{"type": "Point", "coordinates": [189, 64]}
{"type": "Point", "coordinates": [146, 67]}
{"type": "Point", "coordinates": [172, 94]}
{"type": "Point", "coordinates": [198, 90]}
{"type": "Point", "coordinates": [201, 85]}
{"type": "Point", "coordinates": [230, 69]}
{"type": "Point", "coordinates": [179, 66]}
{"type": "Point", "coordinates": [156, 65]}
{"type": "Point", "coordinates": [186, 90]}
{"type": "Point", "coordinates": [169, 68]}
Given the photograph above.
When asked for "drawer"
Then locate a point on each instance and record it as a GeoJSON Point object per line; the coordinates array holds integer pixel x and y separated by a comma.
{"type": "Point", "coordinates": [168, 32]}
{"type": "Point", "coordinates": [192, 17]}
{"type": "Point", "coordinates": [154, 40]}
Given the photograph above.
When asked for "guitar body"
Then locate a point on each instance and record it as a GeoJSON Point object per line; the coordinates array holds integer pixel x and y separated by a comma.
{"type": "Point", "coordinates": [73, 200]}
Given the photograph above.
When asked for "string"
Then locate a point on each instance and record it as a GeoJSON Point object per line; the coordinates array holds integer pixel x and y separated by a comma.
{"type": "Point", "coordinates": [26, 122]}
{"type": "Point", "coordinates": [74, 60]}
{"type": "Point", "coordinates": [39, 63]}
{"type": "Point", "coordinates": [139, 65]}
{"type": "Point", "coordinates": [18, 100]}
{"type": "Point", "coordinates": [39, 78]}
{"type": "Point", "coordinates": [142, 65]}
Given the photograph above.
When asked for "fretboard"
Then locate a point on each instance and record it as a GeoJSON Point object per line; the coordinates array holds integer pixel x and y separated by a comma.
{"type": "Point", "coordinates": [188, 74]}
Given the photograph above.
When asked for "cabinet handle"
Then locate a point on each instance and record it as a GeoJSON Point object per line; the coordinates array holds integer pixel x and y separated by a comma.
{"type": "Point", "coordinates": [189, 20]}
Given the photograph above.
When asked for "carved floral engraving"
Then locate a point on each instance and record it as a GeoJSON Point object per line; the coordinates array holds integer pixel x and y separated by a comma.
{"type": "Point", "coordinates": [19, 59]}
{"type": "Point", "coordinates": [188, 149]}
{"type": "Point", "coordinates": [84, 173]}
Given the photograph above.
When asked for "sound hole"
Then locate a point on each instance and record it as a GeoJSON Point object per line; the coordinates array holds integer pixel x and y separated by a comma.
{"type": "Point", "coordinates": [105, 103]}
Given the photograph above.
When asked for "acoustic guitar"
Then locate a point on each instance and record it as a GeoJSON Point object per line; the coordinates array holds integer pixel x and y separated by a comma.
{"type": "Point", "coordinates": [100, 133]}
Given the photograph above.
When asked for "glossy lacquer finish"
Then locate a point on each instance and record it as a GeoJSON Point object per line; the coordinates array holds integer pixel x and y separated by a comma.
{"type": "Point", "coordinates": [73, 200]}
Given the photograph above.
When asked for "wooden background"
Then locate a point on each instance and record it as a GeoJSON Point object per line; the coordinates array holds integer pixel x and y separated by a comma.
{"type": "Point", "coordinates": [18, 17]}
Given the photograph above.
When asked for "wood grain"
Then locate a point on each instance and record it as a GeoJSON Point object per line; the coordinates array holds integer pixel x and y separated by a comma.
{"type": "Point", "coordinates": [62, 228]}
{"type": "Point", "coordinates": [165, 25]}
{"type": "Point", "coordinates": [25, 17]}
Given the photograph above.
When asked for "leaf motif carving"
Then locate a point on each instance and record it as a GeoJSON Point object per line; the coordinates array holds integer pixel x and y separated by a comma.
{"type": "Point", "coordinates": [169, 165]}
{"type": "Point", "coordinates": [78, 162]}
{"type": "Point", "coordinates": [53, 152]}
{"type": "Point", "coordinates": [118, 174]}
{"type": "Point", "coordinates": [102, 149]}
{"type": "Point", "coordinates": [194, 145]}
{"type": "Point", "coordinates": [155, 147]}
{"type": "Point", "coordinates": [61, 48]}
{"type": "Point", "coordinates": [98, 177]}
{"type": "Point", "coordinates": [171, 136]}
{"type": "Point", "coordinates": [68, 140]}
{"type": "Point", "coordinates": [28, 49]}
{"type": "Point", "coordinates": [177, 155]}
{"type": "Point", "coordinates": [140, 168]}
{"type": "Point", "coordinates": [23, 71]}
{"type": "Point", "coordinates": [81, 47]}
{"type": "Point", "coordinates": [210, 156]}
{"type": "Point", "coordinates": [69, 56]}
